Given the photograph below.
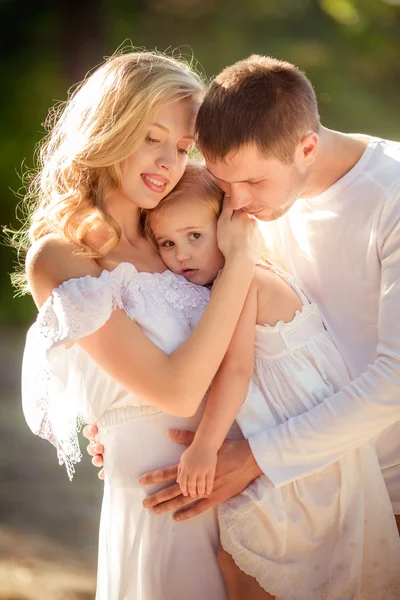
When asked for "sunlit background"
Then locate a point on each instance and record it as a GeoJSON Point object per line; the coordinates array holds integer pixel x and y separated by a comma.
{"type": "Point", "coordinates": [350, 50]}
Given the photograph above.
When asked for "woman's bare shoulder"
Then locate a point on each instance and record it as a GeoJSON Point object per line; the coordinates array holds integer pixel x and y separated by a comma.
{"type": "Point", "coordinates": [52, 260]}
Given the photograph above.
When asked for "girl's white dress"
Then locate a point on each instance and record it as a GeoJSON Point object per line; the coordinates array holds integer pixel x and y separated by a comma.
{"type": "Point", "coordinates": [329, 536]}
{"type": "Point", "coordinates": [142, 556]}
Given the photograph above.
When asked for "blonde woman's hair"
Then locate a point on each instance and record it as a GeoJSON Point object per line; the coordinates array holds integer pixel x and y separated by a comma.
{"type": "Point", "coordinates": [101, 124]}
{"type": "Point", "coordinates": [196, 183]}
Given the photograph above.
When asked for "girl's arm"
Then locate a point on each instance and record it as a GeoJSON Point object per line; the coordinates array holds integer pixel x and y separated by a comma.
{"type": "Point", "coordinates": [228, 391]}
{"type": "Point", "coordinates": [176, 383]}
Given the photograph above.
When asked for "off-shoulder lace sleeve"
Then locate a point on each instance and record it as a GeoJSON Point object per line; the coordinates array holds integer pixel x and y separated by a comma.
{"type": "Point", "coordinates": [53, 385]}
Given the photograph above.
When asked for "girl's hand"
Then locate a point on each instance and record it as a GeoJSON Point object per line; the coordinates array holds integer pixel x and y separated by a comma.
{"type": "Point", "coordinates": [196, 470]}
{"type": "Point", "coordinates": [238, 235]}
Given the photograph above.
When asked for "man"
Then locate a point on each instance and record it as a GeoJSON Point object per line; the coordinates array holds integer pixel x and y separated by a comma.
{"type": "Point", "coordinates": [337, 201]}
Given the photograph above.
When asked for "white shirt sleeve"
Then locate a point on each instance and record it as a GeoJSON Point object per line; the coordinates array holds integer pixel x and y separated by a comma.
{"type": "Point", "coordinates": [363, 409]}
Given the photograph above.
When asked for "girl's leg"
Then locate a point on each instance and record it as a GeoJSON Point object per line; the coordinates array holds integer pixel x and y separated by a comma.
{"type": "Point", "coordinates": [239, 585]}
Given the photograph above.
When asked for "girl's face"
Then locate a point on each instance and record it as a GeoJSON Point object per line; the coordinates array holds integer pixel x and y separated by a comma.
{"type": "Point", "coordinates": [157, 165]}
{"type": "Point", "coordinates": [186, 235]}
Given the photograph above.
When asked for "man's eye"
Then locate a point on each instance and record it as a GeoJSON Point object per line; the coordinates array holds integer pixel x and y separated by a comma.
{"type": "Point", "coordinates": [151, 140]}
{"type": "Point", "coordinates": [194, 236]}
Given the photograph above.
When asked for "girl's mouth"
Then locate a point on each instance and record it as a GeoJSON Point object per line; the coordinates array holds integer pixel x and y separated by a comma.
{"type": "Point", "coordinates": [188, 272]}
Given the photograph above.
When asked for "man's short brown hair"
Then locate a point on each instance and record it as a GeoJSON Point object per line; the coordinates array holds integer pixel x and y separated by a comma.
{"type": "Point", "coordinates": [258, 101]}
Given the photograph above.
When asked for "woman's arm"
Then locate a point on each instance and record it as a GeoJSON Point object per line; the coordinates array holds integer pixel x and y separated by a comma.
{"type": "Point", "coordinates": [177, 382]}
{"type": "Point", "coordinates": [229, 388]}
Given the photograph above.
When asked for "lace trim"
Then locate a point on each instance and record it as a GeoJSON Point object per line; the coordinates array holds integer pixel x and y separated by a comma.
{"type": "Point", "coordinates": [162, 292]}
{"type": "Point", "coordinates": [286, 584]}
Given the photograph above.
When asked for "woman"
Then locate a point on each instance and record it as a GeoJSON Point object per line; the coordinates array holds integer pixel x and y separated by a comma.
{"type": "Point", "coordinates": [113, 341]}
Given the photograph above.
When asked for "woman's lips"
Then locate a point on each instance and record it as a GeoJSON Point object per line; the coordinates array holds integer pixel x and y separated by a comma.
{"type": "Point", "coordinates": [154, 182]}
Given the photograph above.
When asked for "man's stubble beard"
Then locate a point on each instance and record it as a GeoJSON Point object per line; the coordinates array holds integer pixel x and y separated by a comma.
{"type": "Point", "coordinates": [295, 193]}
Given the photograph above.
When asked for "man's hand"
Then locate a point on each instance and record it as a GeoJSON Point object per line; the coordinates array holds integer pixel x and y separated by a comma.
{"type": "Point", "coordinates": [94, 448]}
{"type": "Point", "coordinates": [236, 468]}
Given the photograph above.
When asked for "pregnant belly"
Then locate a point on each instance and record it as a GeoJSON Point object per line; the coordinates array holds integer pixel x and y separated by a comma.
{"type": "Point", "coordinates": [135, 442]}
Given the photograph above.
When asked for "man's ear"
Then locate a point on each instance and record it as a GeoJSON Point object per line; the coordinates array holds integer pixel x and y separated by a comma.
{"type": "Point", "coordinates": [307, 149]}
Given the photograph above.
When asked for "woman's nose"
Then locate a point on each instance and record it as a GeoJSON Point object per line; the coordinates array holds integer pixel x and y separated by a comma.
{"type": "Point", "coordinates": [167, 158]}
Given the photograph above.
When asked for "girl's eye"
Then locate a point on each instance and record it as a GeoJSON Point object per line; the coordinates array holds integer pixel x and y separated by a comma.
{"type": "Point", "coordinates": [151, 140]}
{"type": "Point", "coordinates": [194, 236]}
{"type": "Point", "coordinates": [167, 244]}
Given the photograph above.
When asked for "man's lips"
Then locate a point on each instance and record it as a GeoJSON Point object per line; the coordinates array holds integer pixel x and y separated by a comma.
{"type": "Point", "coordinates": [254, 212]}
{"type": "Point", "coordinates": [155, 183]}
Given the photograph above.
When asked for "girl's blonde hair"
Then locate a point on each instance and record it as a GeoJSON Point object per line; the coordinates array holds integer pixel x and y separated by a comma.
{"type": "Point", "coordinates": [196, 182]}
{"type": "Point", "coordinates": [101, 124]}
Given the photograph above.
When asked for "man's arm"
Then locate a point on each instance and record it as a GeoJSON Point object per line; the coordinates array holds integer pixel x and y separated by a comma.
{"type": "Point", "coordinates": [361, 410]}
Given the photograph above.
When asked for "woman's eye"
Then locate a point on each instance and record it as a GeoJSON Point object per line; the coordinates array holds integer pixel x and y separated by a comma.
{"type": "Point", "coordinates": [151, 140]}
{"type": "Point", "coordinates": [194, 236]}
{"type": "Point", "coordinates": [167, 244]}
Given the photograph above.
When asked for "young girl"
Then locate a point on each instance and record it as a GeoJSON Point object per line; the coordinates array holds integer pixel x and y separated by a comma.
{"type": "Point", "coordinates": [113, 342]}
{"type": "Point", "coordinates": [331, 535]}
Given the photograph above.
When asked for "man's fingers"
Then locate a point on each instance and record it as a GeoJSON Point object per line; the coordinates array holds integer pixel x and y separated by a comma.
{"type": "Point", "coordinates": [194, 510]}
{"type": "Point", "coordinates": [89, 432]}
{"type": "Point", "coordinates": [172, 491]}
{"type": "Point", "coordinates": [181, 436]}
{"type": "Point", "coordinates": [158, 475]}
{"type": "Point", "coordinates": [97, 460]}
{"type": "Point", "coordinates": [173, 504]}
{"type": "Point", "coordinates": [95, 448]}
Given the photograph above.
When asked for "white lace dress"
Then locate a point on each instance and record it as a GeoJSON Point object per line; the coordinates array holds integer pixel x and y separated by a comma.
{"type": "Point", "coordinates": [329, 536]}
{"type": "Point", "coordinates": [142, 556]}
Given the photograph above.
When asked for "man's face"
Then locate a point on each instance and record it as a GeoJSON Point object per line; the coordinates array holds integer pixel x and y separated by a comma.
{"type": "Point", "coordinates": [260, 185]}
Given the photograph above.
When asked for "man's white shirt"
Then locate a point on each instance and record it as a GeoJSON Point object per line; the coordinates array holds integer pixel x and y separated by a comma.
{"type": "Point", "coordinates": [343, 249]}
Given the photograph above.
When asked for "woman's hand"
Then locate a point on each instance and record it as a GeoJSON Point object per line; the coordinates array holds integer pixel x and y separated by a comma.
{"type": "Point", "coordinates": [238, 235]}
{"type": "Point", "coordinates": [94, 448]}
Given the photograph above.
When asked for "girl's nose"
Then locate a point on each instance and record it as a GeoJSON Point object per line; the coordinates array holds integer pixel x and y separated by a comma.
{"type": "Point", "coordinates": [182, 254]}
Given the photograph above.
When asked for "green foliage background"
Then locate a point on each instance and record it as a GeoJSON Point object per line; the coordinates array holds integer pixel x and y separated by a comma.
{"type": "Point", "coordinates": [348, 48]}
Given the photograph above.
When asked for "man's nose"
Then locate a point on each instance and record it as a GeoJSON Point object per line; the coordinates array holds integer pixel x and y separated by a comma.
{"type": "Point", "coordinates": [239, 198]}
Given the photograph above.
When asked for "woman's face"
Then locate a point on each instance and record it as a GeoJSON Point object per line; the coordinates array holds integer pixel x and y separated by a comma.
{"type": "Point", "coordinates": [157, 165]}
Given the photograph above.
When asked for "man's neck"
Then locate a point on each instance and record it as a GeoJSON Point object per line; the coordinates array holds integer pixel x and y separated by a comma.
{"type": "Point", "coordinates": [337, 154]}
